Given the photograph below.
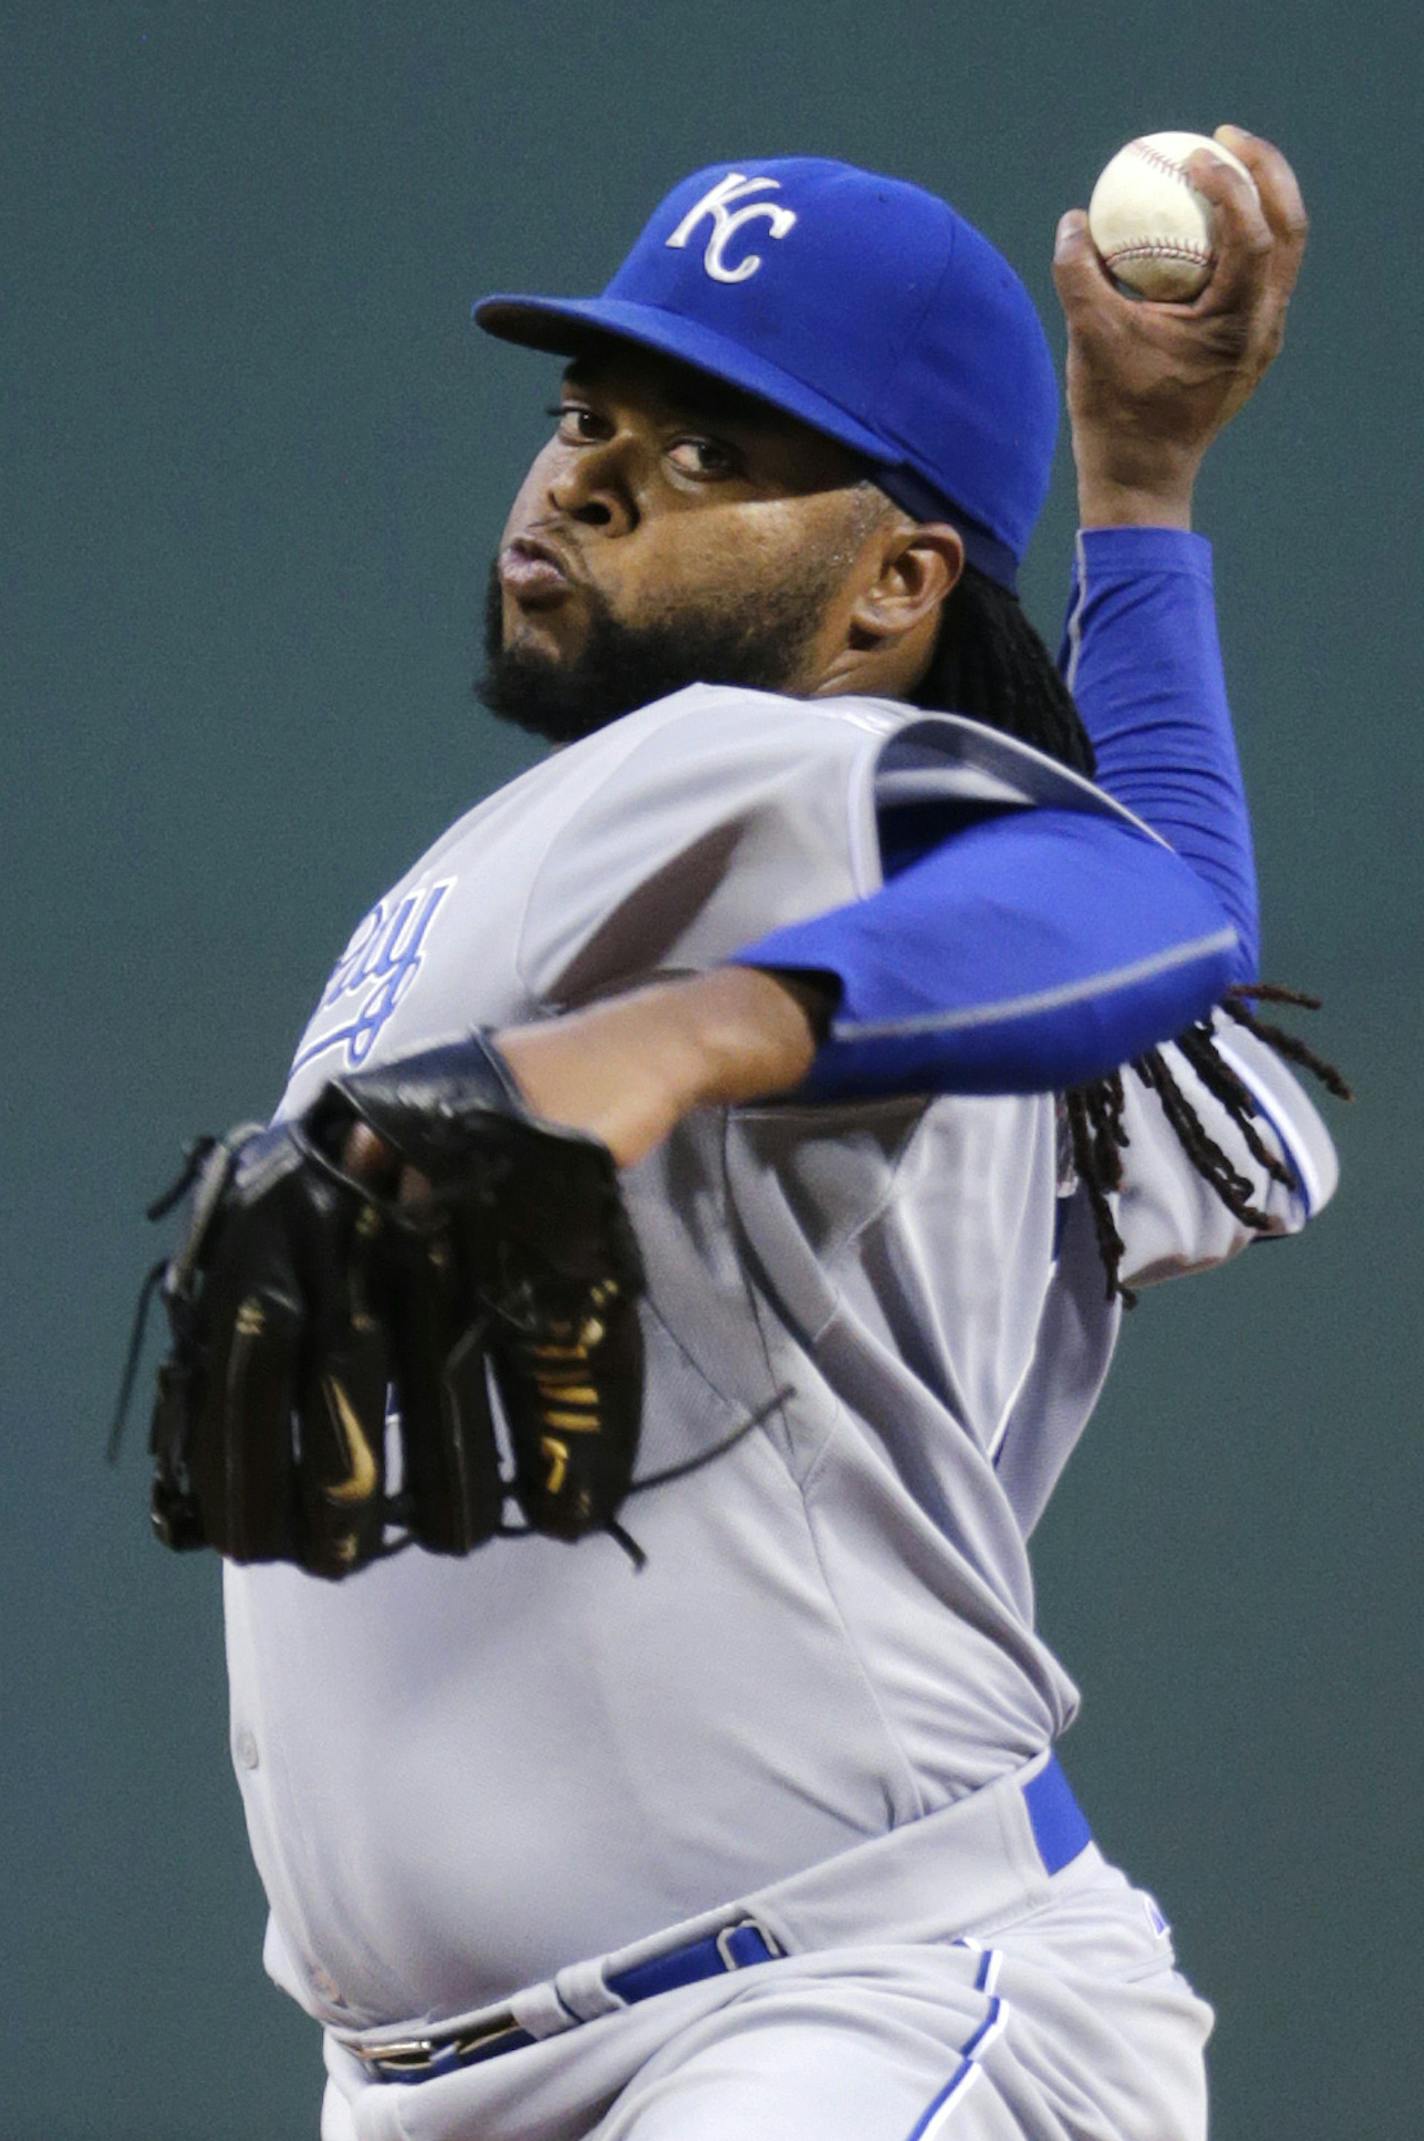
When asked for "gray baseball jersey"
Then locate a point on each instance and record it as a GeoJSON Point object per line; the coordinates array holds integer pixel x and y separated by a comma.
{"type": "Point", "coordinates": [460, 1776]}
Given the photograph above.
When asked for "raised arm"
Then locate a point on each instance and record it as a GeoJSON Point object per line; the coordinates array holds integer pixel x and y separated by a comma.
{"type": "Point", "coordinates": [1149, 387]}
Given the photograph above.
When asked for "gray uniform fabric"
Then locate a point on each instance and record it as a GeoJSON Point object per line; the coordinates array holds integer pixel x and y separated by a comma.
{"type": "Point", "coordinates": [460, 1777]}
{"type": "Point", "coordinates": [1068, 2021]}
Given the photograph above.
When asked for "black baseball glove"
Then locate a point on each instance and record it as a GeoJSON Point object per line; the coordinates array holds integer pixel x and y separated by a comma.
{"type": "Point", "coordinates": [305, 1304]}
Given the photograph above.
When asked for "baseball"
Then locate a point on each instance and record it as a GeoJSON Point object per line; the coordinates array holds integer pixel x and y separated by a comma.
{"type": "Point", "coordinates": [1149, 223]}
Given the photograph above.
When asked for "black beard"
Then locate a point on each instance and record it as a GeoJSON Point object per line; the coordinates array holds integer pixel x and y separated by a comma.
{"type": "Point", "coordinates": [623, 667]}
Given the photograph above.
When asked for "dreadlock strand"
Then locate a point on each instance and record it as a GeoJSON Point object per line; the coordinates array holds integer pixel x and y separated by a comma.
{"type": "Point", "coordinates": [1201, 1149]}
{"type": "Point", "coordinates": [1288, 1044]}
{"type": "Point", "coordinates": [1111, 1246]}
{"type": "Point", "coordinates": [1198, 1047]}
{"type": "Point", "coordinates": [1271, 992]}
{"type": "Point", "coordinates": [1103, 1101]}
{"type": "Point", "coordinates": [990, 665]}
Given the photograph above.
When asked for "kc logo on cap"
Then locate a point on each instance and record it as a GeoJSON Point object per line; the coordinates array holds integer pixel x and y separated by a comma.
{"type": "Point", "coordinates": [734, 187]}
{"type": "Point", "coordinates": [887, 323]}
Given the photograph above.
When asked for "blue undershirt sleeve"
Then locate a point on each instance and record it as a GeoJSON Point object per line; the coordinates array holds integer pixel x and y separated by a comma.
{"type": "Point", "coordinates": [1142, 658]}
{"type": "Point", "coordinates": [1033, 950]}
{"type": "Point", "coordinates": [1027, 951]}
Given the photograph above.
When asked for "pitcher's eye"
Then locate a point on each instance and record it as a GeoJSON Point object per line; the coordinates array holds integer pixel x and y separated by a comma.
{"type": "Point", "coordinates": [704, 457]}
{"type": "Point", "coordinates": [577, 423]}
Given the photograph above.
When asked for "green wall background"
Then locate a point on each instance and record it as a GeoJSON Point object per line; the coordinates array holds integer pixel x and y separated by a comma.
{"type": "Point", "coordinates": [256, 459]}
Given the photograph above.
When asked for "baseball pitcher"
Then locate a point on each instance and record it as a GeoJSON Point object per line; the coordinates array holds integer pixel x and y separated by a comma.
{"type": "Point", "coordinates": [624, 1374]}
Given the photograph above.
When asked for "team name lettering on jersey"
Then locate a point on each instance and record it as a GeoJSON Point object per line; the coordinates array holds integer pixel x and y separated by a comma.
{"type": "Point", "coordinates": [374, 973]}
{"type": "Point", "coordinates": [734, 187]}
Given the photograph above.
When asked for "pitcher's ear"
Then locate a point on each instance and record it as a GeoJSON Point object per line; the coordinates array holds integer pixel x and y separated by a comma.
{"type": "Point", "coordinates": [921, 566]}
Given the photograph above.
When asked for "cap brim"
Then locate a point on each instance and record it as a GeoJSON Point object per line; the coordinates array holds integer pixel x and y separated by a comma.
{"type": "Point", "coordinates": [562, 326]}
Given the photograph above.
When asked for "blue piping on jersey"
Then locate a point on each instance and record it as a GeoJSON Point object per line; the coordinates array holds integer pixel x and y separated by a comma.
{"type": "Point", "coordinates": [935, 2114]}
{"type": "Point", "coordinates": [1073, 634]}
{"type": "Point", "coordinates": [1292, 1155]}
{"type": "Point", "coordinates": [1039, 1000]}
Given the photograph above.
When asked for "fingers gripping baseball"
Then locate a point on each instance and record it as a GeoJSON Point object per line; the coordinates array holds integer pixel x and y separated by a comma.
{"type": "Point", "coordinates": [1277, 205]}
{"type": "Point", "coordinates": [1151, 384]}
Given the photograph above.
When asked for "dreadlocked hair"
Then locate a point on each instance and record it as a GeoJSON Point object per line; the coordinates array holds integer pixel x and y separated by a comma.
{"type": "Point", "coordinates": [990, 665]}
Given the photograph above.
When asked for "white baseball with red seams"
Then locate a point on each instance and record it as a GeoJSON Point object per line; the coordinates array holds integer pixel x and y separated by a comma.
{"type": "Point", "coordinates": [1148, 221]}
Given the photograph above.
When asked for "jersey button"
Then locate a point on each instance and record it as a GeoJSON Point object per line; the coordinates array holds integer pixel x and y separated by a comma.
{"type": "Point", "coordinates": [246, 1749]}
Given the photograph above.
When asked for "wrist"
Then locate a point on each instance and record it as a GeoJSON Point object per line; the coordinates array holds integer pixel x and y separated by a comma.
{"type": "Point", "coordinates": [1106, 502]}
{"type": "Point", "coordinates": [1121, 488]}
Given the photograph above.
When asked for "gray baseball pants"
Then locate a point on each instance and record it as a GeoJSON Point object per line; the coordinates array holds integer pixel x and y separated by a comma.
{"type": "Point", "coordinates": [1051, 2010]}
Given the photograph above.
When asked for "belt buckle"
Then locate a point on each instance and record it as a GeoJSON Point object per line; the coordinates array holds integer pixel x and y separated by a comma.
{"type": "Point", "coordinates": [402, 2053]}
{"type": "Point", "coordinates": [420, 2056]}
{"type": "Point", "coordinates": [749, 1924]}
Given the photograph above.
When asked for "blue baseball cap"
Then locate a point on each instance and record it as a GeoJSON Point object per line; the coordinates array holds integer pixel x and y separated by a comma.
{"type": "Point", "coordinates": [865, 307]}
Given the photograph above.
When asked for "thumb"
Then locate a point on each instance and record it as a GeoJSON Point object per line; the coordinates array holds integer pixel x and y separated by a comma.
{"type": "Point", "coordinates": [1078, 272]}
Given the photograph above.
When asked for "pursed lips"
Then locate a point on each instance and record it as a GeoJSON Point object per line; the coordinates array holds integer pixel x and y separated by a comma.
{"type": "Point", "coordinates": [534, 572]}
